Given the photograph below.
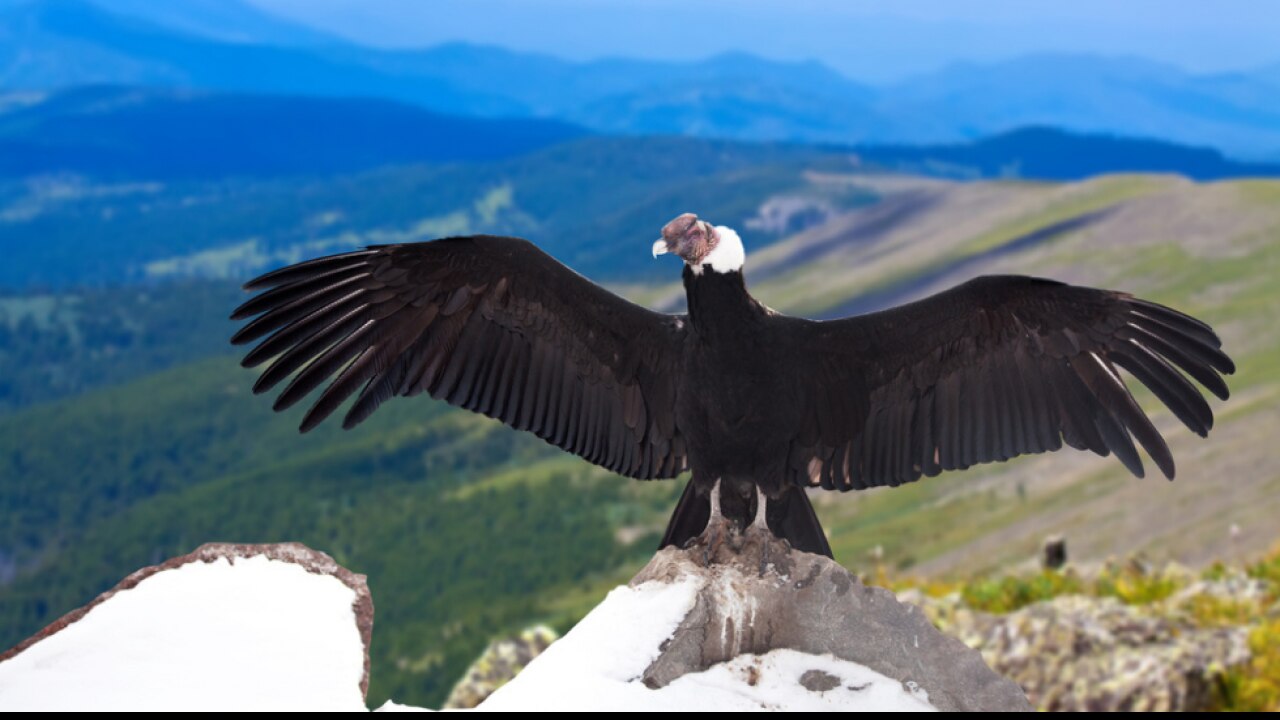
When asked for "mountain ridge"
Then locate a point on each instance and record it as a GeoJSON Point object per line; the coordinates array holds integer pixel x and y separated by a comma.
{"type": "Point", "coordinates": [56, 43]}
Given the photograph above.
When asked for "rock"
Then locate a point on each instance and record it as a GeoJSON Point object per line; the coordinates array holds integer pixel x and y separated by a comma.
{"type": "Point", "coordinates": [1076, 653]}
{"type": "Point", "coordinates": [230, 627]}
{"type": "Point", "coordinates": [601, 664]}
{"type": "Point", "coordinates": [497, 665]}
{"type": "Point", "coordinates": [810, 604]}
{"type": "Point", "coordinates": [1235, 587]}
{"type": "Point", "coordinates": [1053, 556]}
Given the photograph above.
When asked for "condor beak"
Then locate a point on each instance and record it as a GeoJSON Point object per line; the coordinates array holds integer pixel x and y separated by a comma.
{"type": "Point", "coordinates": [660, 248]}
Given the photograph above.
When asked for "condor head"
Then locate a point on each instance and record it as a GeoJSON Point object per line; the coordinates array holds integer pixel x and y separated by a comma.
{"type": "Point", "coordinates": [688, 237]}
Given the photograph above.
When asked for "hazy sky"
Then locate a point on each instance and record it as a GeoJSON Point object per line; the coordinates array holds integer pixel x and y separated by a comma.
{"type": "Point", "coordinates": [869, 40]}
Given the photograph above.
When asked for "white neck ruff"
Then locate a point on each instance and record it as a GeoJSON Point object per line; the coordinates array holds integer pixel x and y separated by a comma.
{"type": "Point", "coordinates": [727, 256]}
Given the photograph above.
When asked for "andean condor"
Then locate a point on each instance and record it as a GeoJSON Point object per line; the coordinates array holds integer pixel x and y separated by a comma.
{"type": "Point", "coordinates": [763, 404]}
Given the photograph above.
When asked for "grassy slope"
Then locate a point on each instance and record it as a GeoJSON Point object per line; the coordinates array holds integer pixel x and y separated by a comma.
{"type": "Point", "coordinates": [467, 530]}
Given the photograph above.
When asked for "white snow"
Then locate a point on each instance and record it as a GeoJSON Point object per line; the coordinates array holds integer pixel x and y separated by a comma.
{"type": "Point", "coordinates": [259, 635]}
{"type": "Point", "coordinates": [597, 664]}
{"type": "Point", "coordinates": [772, 682]}
{"type": "Point", "coordinates": [597, 667]}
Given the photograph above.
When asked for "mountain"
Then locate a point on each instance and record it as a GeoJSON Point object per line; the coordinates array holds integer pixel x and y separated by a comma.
{"type": "Point", "coordinates": [158, 134]}
{"type": "Point", "coordinates": [227, 20]}
{"type": "Point", "coordinates": [57, 43]}
{"type": "Point", "coordinates": [1045, 153]}
{"type": "Point", "coordinates": [734, 95]}
{"type": "Point", "coordinates": [1235, 112]}
{"type": "Point", "coordinates": [46, 44]}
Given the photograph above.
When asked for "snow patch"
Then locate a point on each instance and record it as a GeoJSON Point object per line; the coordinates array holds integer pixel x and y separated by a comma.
{"type": "Point", "coordinates": [599, 664]}
{"type": "Point", "coordinates": [774, 681]}
{"type": "Point", "coordinates": [261, 634]}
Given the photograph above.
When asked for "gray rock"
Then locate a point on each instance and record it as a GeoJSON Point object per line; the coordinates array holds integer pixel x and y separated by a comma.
{"type": "Point", "coordinates": [762, 596]}
{"type": "Point", "coordinates": [497, 665]}
{"type": "Point", "coordinates": [1076, 653]}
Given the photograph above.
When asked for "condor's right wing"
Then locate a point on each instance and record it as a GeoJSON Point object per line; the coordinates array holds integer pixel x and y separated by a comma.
{"type": "Point", "coordinates": [490, 324]}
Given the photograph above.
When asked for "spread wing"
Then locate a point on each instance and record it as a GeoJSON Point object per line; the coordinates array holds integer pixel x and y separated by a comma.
{"type": "Point", "coordinates": [994, 368]}
{"type": "Point", "coordinates": [490, 324]}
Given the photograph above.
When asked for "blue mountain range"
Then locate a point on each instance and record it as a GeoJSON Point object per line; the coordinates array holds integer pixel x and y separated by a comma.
{"type": "Point", "coordinates": [230, 46]}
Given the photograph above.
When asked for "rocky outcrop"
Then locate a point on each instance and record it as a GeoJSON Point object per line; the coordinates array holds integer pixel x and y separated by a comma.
{"type": "Point", "coordinates": [746, 624]}
{"type": "Point", "coordinates": [1079, 653]}
{"type": "Point", "coordinates": [501, 661]}
{"type": "Point", "coordinates": [761, 596]}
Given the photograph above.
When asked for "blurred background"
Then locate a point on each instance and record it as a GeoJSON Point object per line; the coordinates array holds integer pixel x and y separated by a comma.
{"type": "Point", "coordinates": [153, 156]}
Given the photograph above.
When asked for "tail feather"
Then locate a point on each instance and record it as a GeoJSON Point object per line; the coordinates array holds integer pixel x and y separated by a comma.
{"type": "Point", "coordinates": [791, 517]}
{"type": "Point", "coordinates": [689, 519]}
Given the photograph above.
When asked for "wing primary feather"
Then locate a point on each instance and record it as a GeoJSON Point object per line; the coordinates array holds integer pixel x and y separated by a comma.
{"type": "Point", "coordinates": [1169, 385]}
{"type": "Point", "coordinates": [857, 463]}
{"type": "Point", "coordinates": [459, 360]}
{"type": "Point", "coordinates": [1170, 317]}
{"type": "Point", "coordinates": [443, 342]}
{"type": "Point", "coordinates": [986, 411]}
{"type": "Point", "coordinates": [307, 269]}
{"type": "Point", "coordinates": [1024, 438]}
{"type": "Point", "coordinates": [1208, 353]}
{"type": "Point", "coordinates": [1198, 368]}
{"type": "Point", "coordinates": [970, 399]}
{"type": "Point", "coordinates": [1112, 430]}
{"type": "Point", "coordinates": [908, 470]}
{"type": "Point", "coordinates": [591, 423]}
{"type": "Point", "coordinates": [386, 370]}
{"type": "Point", "coordinates": [1042, 425]}
{"type": "Point", "coordinates": [543, 411]}
{"type": "Point", "coordinates": [887, 444]}
{"type": "Point", "coordinates": [531, 386]}
{"type": "Point", "coordinates": [1117, 398]}
{"type": "Point", "coordinates": [367, 335]}
{"type": "Point", "coordinates": [948, 431]}
{"type": "Point", "coordinates": [1077, 405]}
{"type": "Point", "coordinates": [929, 438]}
{"type": "Point", "coordinates": [836, 477]}
{"type": "Point", "coordinates": [869, 477]}
{"type": "Point", "coordinates": [377, 391]}
{"type": "Point", "coordinates": [646, 461]}
{"type": "Point", "coordinates": [558, 400]}
{"type": "Point", "coordinates": [614, 432]}
{"type": "Point", "coordinates": [293, 322]}
{"type": "Point", "coordinates": [573, 430]}
{"type": "Point", "coordinates": [299, 354]}
{"type": "Point", "coordinates": [507, 396]}
{"type": "Point", "coordinates": [492, 377]}
{"type": "Point", "coordinates": [478, 361]}
{"type": "Point", "coordinates": [424, 353]}
{"type": "Point", "coordinates": [308, 288]}
{"type": "Point", "coordinates": [340, 389]}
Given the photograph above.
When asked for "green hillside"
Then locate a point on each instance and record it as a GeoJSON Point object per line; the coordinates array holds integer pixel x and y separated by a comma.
{"type": "Point", "coordinates": [468, 530]}
{"type": "Point", "coordinates": [588, 202]}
